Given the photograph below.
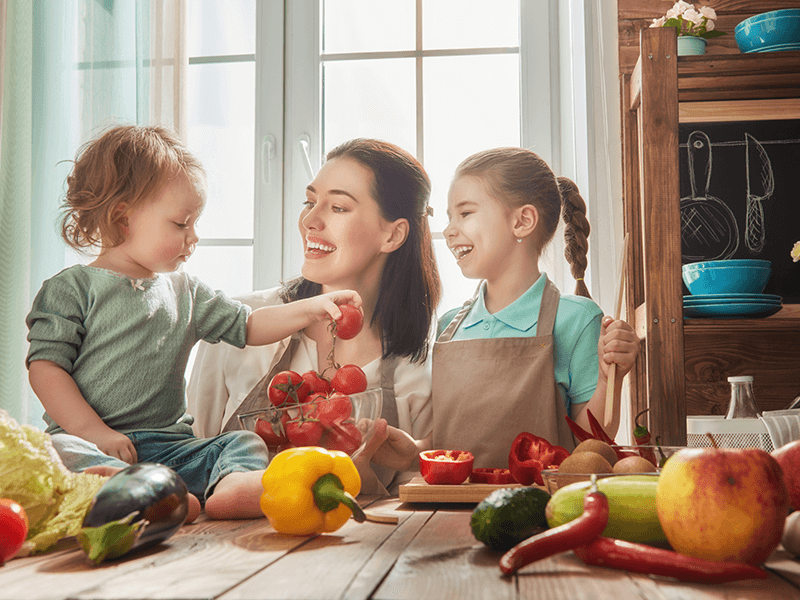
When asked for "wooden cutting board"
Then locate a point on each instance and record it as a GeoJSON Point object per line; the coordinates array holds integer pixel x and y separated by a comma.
{"type": "Point", "coordinates": [417, 490]}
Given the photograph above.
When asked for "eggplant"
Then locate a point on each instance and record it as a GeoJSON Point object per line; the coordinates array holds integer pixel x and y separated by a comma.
{"type": "Point", "coordinates": [139, 507]}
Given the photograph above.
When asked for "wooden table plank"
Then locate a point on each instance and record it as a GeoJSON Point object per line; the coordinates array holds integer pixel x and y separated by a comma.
{"type": "Point", "coordinates": [348, 563]}
{"type": "Point", "coordinates": [201, 561]}
{"type": "Point", "coordinates": [445, 561]}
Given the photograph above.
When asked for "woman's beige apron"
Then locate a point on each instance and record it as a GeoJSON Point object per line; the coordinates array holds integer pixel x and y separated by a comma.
{"type": "Point", "coordinates": [487, 391]}
{"type": "Point", "coordinates": [258, 398]}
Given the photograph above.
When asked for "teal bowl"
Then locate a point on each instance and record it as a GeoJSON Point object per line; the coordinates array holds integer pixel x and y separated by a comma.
{"type": "Point", "coordinates": [770, 32]}
{"type": "Point", "coordinates": [726, 277]}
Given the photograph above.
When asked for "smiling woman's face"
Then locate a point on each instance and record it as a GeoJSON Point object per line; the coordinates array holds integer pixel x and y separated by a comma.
{"type": "Point", "coordinates": [342, 228]}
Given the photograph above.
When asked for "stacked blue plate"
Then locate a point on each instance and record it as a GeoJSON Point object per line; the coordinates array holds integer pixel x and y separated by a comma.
{"type": "Point", "coordinates": [731, 306]}
{"type": "Point", "coordinates": [770, 32]}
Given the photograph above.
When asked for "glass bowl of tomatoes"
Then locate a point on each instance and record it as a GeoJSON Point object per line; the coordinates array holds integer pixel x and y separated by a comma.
{"type": "Point", "coordinates": [335, 421]}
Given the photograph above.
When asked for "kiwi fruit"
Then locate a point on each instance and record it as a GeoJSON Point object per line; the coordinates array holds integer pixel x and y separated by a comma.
{"type": "Point", "coordinates": [585, 462]}
{"type": "Point", "coordinates": [634, 464]}
{"type": "Point", "coordinates": [599, 447]}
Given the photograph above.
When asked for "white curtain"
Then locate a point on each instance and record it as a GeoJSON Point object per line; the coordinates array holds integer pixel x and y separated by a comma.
{"type": "Point", "coordinates": [88, 65]}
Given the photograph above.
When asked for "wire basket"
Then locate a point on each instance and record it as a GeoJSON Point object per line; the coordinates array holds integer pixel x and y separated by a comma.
{"type": "Point", "coordinates": [728, 433]}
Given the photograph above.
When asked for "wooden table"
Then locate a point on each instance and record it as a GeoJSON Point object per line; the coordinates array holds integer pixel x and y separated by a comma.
{"type": "Point", "coordinates": [430, 553]}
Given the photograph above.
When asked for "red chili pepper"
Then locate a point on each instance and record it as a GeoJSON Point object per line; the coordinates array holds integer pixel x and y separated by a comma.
{"type": "Point", "coordinates": [642, 438]}
{"type": "Point", "coordinates": [648, 560]}
{"type": "Point", "coordinates": [578, 431]}
{"type": "Point", "coordinates": [598, 430]}
{"type": "Point", "coordinates": [530, 455]}
{"type": "Point", "coordinates": [447, 467]}
{"type": "Point", "coordinates": [493, 476]}
{"type": "Point", "coordinates": [568, 536]}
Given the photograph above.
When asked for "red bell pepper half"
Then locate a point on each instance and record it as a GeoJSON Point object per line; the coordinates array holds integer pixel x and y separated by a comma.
{"type": "Point", "coordinates": [448, 467]}
{"type": "Point", "coordinates": [530, 455]}
{"type": "Point", "coordinates": [493, 476]}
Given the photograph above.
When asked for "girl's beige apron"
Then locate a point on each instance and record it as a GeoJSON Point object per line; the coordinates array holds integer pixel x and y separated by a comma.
{"type": "Point", "coordinates": [487, 391]}
{"type": "Point", "coordinates": [258, 398]}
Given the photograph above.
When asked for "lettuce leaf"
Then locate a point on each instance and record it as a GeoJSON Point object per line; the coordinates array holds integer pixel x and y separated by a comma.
{"type": "Point", "coordinates": [32, 474]}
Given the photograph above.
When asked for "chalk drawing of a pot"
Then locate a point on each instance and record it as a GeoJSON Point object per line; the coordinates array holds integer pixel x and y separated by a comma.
{"type": "Point", "coordinates": [708, 227]}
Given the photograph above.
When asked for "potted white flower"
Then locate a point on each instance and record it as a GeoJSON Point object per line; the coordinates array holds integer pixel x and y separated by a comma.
{"type": "Point", "coordinates": [694, 26]}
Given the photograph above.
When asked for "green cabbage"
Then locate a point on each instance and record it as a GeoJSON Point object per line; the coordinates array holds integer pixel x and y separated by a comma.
{"type": "Point", "coordinates": [32, 474]}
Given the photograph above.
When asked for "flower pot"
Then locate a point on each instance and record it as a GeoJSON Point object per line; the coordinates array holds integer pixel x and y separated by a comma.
{"type": "Point", "coordinates": [690, 44]}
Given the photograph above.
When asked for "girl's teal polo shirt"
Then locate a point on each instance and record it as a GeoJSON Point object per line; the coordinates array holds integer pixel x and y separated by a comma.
{"type": "Point", "coordinates": [576, 333]}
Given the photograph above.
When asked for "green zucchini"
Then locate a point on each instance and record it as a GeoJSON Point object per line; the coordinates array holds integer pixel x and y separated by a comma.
{"type": "Point", "coordinates": [509, 515]}
{"type": "Point", "coordinates": [632, 514]}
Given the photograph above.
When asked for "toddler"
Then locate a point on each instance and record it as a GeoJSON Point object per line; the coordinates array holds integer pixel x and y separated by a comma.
{"type": "Point", "coordinates": [109, 341]}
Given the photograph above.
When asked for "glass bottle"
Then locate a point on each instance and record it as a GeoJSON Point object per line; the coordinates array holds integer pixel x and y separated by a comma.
{"type": "Point", "coordinates": [743, 402]}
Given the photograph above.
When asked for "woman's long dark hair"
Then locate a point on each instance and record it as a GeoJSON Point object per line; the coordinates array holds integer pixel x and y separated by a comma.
{"type": "Point", "coordinates": [410, 288]}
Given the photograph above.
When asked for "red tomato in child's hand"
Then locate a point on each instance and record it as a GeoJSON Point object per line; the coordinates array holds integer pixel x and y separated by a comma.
{"type": "Point", "coordinates": [349, 324]}
{"type": "Point", "coordinates": [273, 434]}
{"type": "Point", "coordinates": [344, 436]}
{"type": "Point", "coordinates": [287, 385]}
{"type": "Point", "coordinates": [349, 379]}
{"type": "Point", "coordinates": [13, 528]}
{"type": "Point", "coordinates": [316, 384]}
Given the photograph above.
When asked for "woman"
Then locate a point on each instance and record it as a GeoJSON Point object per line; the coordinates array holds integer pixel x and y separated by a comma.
{"type": "Point", "coordinates": [364, 227]}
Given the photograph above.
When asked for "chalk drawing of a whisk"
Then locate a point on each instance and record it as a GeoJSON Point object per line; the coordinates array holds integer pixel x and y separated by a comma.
{"type": "Point", "coordinates": [760, 186]}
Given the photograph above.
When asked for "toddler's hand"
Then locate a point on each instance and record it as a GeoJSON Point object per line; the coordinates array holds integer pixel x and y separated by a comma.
{"type": "Point", "coordinates": [115, 444]}
{"type": "Point", "coordinates": [327, 305]}
{"type": "Point", "coordinates": [618, 344]}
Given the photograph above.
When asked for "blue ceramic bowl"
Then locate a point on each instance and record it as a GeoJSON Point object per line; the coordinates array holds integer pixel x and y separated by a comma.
{"type": "Point", "coordinates": [722, 277]}
{"type": "Point", "coordinates": [770, 31]}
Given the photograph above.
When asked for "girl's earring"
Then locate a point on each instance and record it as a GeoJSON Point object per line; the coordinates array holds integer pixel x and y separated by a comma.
{"type": "Point", "coordinates": [519, 240]}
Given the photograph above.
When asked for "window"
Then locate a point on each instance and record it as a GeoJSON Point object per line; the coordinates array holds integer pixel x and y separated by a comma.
{"type": "Point", "coordinates": [441, 78]}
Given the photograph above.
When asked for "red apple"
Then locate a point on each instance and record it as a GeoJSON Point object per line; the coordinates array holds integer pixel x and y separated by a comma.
{"type": "Point", "coordinates": [788, 457]}
{"type": "Point", "coordinates": [726, 504]}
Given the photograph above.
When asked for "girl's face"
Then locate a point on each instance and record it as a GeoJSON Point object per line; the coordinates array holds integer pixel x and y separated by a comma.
{"type": "Point", "coordinates": [479, 232]}
{"type": "Point", "coordinates": [344, 234]}
{"type": "Point", "coordinates": [161, 234]}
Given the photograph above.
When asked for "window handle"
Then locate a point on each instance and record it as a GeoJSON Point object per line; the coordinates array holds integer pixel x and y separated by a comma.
{"type": "Point", "coordinates": [267, 154]}
{"type": "Point", "coordinates": [304, 156]}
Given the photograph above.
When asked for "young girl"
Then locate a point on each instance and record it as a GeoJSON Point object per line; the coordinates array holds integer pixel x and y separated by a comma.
{"type": "Point", "coordinates": [519, 356]}
{"type": "Point", "coordinates": [364, 227]}
{"type": "Point", "coordinates": [109, 342]}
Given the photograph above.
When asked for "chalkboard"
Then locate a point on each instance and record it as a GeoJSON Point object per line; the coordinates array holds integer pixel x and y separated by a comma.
{"type": "Point", "coordinates": [740, 196]}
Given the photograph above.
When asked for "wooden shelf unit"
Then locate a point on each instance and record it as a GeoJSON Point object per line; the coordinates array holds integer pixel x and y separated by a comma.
{"type": "Point", "coordinates": [685, 363]}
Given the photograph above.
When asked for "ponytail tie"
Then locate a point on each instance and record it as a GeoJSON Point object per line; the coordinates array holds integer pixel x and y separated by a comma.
{"type": "Point", "coordinates": [579, 279]}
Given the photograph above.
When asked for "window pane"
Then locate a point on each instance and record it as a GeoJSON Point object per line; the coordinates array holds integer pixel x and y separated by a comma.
{"type": "Point", "coordinates": [229, 269]}
{"type": "Point", "coordinates": [369, 98]}
{"type": "Point", "coordinates": [221, 125]}
{"type": "Point", "coordinates": [456, 287]}
{"type": "Point", "coordinates": [469, 23]}
{"type": "Point", "coordinates": [221, 28]}
{"type": "Point", "coordinates": [368, 26]}
{"type": "Point", "coordinates": [471, 103]}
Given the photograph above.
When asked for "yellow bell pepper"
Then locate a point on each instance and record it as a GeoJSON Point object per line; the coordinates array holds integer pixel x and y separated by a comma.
{"type": "Point", "coordinates": [310, 490]}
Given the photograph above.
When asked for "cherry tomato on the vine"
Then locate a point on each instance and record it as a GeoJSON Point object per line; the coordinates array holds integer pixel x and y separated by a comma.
{"type": "Point", "coordinates": [344, 436]}
{"type": "Point", "coordinates": [349, 324]}
{"type": "Point", "coordinates": [273, 434]}
{"type": "Point", "coordinates": [316, 384]}
{"type": "Point", "coordinates": [287, 385]}
{"type": "Point", "coordinates": [13, 528]}
{"type": "Point", "coordinates": [349, 379]}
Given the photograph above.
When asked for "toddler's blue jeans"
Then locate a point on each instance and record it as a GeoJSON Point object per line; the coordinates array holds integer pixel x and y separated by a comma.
{"type": "Point", "coordinates": [201, 462]}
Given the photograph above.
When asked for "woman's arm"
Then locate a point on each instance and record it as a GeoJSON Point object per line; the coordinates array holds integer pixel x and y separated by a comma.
{"type": "Point", "coordinates": [63, 401]}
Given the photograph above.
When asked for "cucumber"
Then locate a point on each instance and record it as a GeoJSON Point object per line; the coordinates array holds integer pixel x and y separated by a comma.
{"type": "Point", "coordinates": [509, 515]}
{"type": "Point", "coordinates": [632, 514]}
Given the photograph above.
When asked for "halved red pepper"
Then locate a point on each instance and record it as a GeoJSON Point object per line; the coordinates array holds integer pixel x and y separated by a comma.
{"type": "Point", "coordinates": [448, 467]}
{"type": "Point", "coordinates": [530, 455]}
{"type": "Point", "coordinates": [493, 476]}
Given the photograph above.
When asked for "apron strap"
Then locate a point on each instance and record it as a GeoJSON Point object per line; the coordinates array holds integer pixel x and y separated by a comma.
{"type": "Point", "coordinates": [548, 308]}
{"type": "Point", "coordinates": [258, 396]}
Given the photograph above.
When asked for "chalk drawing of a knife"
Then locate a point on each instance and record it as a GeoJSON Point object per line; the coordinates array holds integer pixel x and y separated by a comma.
{"type": "Point", "coordinates": [760, 186]}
